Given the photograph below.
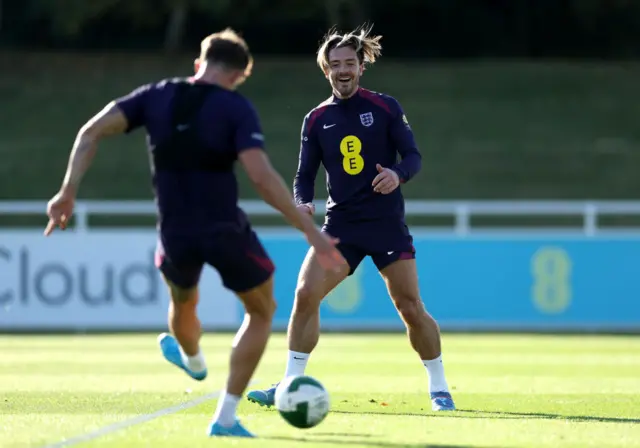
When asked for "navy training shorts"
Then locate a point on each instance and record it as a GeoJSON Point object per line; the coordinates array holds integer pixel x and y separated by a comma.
{"type": "Point", "coordinates": [237, 255]}
{"type": "Point", "coordinates": [384, 243]}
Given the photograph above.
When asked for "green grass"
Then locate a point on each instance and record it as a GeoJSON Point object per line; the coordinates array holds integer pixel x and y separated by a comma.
{"type": "Point", "coordinates": [486, 129]}
{"type": "Point", "coordinates": [512, 391]}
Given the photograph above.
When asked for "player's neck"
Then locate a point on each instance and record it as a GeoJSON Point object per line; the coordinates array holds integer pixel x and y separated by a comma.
{"type": "Point", "coordinates": [345, 97]}
{"type": "Point", "coordinates": [214, 81]}
{"type": "Point", "coordinates": [212, 77]}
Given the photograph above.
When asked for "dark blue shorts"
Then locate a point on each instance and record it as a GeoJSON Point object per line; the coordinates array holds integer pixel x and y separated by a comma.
{"type": "Point", "coordinates": [385, 243]}
{"type": "Point", "coordinates": [238, 256]}
{"type": "Point", "coordinates": [355, 254]}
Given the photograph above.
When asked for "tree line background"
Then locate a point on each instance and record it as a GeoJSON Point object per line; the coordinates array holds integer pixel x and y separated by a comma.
{"type": "Point", "coordinates": [428, 28]}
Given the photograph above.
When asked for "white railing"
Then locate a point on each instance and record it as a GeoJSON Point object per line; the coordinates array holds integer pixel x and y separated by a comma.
{"type": "Point", "coordinates": [462, 211]}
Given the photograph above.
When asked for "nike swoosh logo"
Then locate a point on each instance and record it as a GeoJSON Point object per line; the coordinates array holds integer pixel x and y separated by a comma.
{"type": "Point", "coordinates": [328, 126]}
{"type": "Point", "coordinates": [389, 253]}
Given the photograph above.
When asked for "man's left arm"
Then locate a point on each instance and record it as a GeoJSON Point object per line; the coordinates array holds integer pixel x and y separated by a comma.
{"type": "Point", "coordinates": [404, 142]}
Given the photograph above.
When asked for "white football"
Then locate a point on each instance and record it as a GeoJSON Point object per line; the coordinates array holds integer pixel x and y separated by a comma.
{"type": "Point", "coordinates": [302, 401]}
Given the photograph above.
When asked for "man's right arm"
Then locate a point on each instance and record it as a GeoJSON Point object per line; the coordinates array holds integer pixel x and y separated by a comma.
{"type": "Point", "coordinates": [308, 164]}
{"type": "Point", "coordinates": [270, 185]}
{"type": "Point", "coordinates": [249, 142]}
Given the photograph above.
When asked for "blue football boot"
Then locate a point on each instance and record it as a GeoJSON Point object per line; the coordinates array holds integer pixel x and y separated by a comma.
{"type": "Point", "coordinates": [237, 430]}
{"type": "Point", "coordinates": [171, 352]}
{"type": "Point", "coordinates": [265, 397]}
{"type": "Point", "coordinates": [442, 401]}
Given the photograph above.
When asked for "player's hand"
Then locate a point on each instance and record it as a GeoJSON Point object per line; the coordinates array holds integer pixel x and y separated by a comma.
{"type": "Point", "coordinates": [307, 208]}
{"type": "Point", "coordinates": [327, 255]}
{"type": "Point", "coordinates": [59, 211]}
{"type": "Point", "coordinates": [386, 181]}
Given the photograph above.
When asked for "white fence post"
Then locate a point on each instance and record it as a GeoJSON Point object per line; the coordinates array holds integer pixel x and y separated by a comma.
{"type": "Point", "coordinates": [590, 219]}
{"type": "Point", "coordinates": [462, 219]}
{"type": "Point", "coordinates": [82, 217]}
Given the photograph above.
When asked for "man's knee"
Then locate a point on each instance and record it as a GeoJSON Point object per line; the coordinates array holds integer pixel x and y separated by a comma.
{"type": "Point", "coordinates": [411, 309]}
{"type": "Point", "coordinates": [181, 297]}
{"type": "Point", "coordinates": [259, 301]}
{"type": "Point", "coordinates": [264, 308]}
{"type": "Point", "coordinates": [307, 298]}
{"type": "Point", "coordinates": [314, 283]}
{"type": "Point", "coordinates": [271, 307]}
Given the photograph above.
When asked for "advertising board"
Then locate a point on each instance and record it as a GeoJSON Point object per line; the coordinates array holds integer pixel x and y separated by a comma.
{"type": "Point", "coordinates": [107, 280]}
{"type": "Point", "coordinates": [98, 280]}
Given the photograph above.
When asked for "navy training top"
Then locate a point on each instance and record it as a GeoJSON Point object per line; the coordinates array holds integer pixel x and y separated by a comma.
{"type": "Point", "coordinates": [349, 137]}
{"type": "Point", "coordinates": [195, 131]}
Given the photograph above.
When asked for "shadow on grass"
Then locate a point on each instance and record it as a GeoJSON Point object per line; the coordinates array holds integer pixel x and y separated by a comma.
{"type": "Point", "coordinates": [371, 443]}
{"type": "Point", "coordinates": [341, 434]}
{"type": "Point", "coordinates": [471, 413]}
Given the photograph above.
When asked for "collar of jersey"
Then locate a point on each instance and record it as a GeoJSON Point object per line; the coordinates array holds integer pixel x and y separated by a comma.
{"type": "Point", "coordinates": [347, 101]}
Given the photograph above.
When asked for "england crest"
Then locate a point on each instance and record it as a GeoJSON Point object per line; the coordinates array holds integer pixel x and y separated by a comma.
{"type": "Point", "coordinates": [366, 119]}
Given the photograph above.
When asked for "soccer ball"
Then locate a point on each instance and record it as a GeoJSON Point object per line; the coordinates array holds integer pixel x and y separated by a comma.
{"type": "Point", "coordinates": [302, 401]}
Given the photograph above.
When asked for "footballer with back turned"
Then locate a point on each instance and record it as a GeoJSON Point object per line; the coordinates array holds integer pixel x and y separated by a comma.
{"type": "Point", "coordinates": [357, 135]}
{"type": "Point", "coordinates": [197, 128]}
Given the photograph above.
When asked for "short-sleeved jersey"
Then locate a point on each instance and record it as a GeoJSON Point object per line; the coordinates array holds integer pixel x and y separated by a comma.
{"type": "Point", "coordinates": [195, 132]}
{"type": "Point", "coordinates": [350, 137]}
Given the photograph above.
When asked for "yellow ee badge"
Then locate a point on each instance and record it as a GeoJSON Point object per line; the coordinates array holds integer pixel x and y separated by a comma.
{"type": "Point", "coordinates": [352, 161]}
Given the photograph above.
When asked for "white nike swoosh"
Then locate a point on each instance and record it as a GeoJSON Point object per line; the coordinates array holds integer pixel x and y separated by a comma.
{"type": "Point", "coordinates": [328, 126]}
{"type": "Point", "coordinates": [389, 253]}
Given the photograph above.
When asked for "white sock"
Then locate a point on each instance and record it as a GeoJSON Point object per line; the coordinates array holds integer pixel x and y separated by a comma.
{"type": "Point", "coordinates": [226, 410]}
{"type": "Point", "coordinates": [195, 363]}
{"type": "Point", "coordinates": [296, 363]}
{"type": "Point", "coordinates": [435, 370]}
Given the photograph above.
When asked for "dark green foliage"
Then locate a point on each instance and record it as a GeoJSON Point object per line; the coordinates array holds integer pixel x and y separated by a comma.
{"type": "Point", "coordinates": [426, 28]}
{"type": "Point", "coordinates": [486, 131]}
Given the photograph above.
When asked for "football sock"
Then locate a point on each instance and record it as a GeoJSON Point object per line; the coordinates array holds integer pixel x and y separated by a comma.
{"type": "Point", "coordinates": [296, 363]}
{"type": "Point", "coordinates": [435, 370]}
{"type": "Point", "coordinates": [195, 363]}
{"type": "Point", "coordinates": [226, 410]}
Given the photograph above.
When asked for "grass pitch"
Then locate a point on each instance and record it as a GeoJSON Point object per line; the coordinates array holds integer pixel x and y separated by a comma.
{"type": "Point", "coordinates": [512, 391]}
